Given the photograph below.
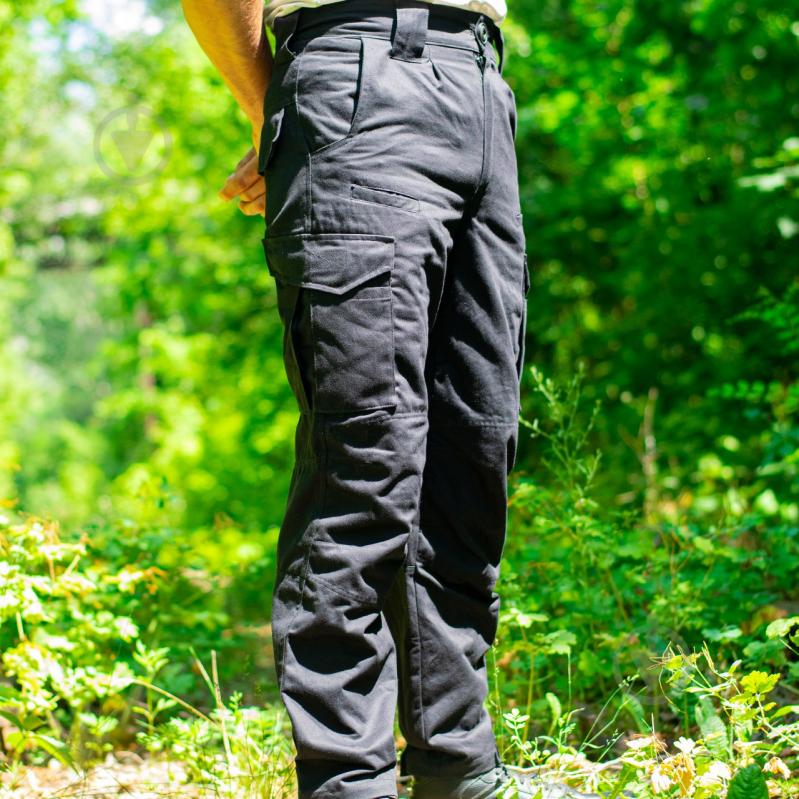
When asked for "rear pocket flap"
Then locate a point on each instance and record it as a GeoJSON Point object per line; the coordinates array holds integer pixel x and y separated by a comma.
{"type": "Point", "coordinates": [331, 262]}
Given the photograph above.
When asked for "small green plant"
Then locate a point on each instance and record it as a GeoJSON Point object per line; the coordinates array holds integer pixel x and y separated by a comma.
{"type": "Point", "coordinates": [60, 641]}
{"type": "Point", "coordinates": [746, 745]}
{"type": "Point", "coordinates": [78, 624]}
{"type": "Point", "coordinates": [152, 661]}
{"type": "Point", "coordinates": [233, 750]}
{"type": "Point", "coordinates": [567, 431]}
{"type": "Point", "coordinates": [74, 670]}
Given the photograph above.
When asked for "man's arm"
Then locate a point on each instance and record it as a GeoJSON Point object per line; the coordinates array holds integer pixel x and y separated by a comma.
{"type": "Point", "coordinates": [231, 32]}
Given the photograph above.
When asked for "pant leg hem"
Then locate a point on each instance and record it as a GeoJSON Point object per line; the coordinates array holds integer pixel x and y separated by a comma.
{"type": "Point", "coordinates": [376, 788]}
{"type": "Point", "coordinates": [420, 763]}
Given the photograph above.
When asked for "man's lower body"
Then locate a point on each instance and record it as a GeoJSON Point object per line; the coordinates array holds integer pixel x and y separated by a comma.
{"type": "Point", "coordinates": [394, 235]}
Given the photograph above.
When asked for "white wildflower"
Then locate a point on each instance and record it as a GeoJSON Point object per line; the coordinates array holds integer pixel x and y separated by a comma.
{"type": "Point", "coordinates": [778, 767]}
{"type": "Point", "coordinates": [644, 742]}
{"type": "Point", "coordinates": [774, 788]}
{"type": "Point", "coordinates": [685, 745]}
{"type": "Point", "coordinates": [716, 774]}
{"type": "Point", "coordinates": [660, 780]}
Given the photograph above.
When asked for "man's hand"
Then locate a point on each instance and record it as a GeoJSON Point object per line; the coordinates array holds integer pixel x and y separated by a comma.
{"type": "Point", "coordinates": [231, 32]}
{"type": "Point", "coordinates": [246, 184]}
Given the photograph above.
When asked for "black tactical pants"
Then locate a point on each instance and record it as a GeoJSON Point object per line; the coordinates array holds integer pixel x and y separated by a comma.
{"type": "Point", "coordinates": [395, 239]}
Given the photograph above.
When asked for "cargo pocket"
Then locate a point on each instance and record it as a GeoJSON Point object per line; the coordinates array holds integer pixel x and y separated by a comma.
{"type": "Point", "coordinates": [343, 317]}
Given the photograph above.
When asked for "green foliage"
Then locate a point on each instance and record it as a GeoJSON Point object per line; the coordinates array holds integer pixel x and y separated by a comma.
{"type": "Point", "coordinates": [234, 751]}
{"type": "Point", "coordinates": [80, 626]}
{"type": "Point", "coordinates": [713, 730]}
{"type": "Point", "coordinates": [75, 671]}
{"type": "Point", "coordinates": [167, 374]}
{"type": "Point", "coordinates": [141, 381]}
{"type": "Point", "coordinates": [590, 595]}
{"type": "Point", "coordinates": [658, 158]}
{"type": "Point", "coordinates": [740, 743]}
{"type": "Point", "coordinates": [748, 783]}
{"type": "Point", "coordinates": [61, 625]}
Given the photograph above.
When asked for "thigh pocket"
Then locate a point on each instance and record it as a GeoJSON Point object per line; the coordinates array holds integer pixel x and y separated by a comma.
{"type": "Point", "coordinates": [330, 90]}
{"type": "Point", "coordinates": [345, 304]}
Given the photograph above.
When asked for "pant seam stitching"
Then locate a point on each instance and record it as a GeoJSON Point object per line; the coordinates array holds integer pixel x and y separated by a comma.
{"type": "Point", "coordinates": [438, 422]}
{"type": "Point", "coordinates": [420, 657]}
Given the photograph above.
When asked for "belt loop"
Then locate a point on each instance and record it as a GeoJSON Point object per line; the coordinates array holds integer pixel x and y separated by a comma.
{"type": "Point", "coordinates": [284, 27]}
{"type": "Point", "coordinates": [500, 43]}
{"type": "Point", "coordinates": [410, 29]}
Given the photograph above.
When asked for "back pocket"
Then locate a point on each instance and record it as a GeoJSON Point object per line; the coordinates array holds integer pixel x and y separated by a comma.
{"type": "Point", "coordinates": [346, 291]}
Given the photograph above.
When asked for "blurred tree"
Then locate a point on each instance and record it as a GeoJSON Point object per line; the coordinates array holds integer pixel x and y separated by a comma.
{"type": "Point", "coordinates": [638, 120]}
{"type": "Point", "coordinates": [146, 311]}
{"type": "Point", "coordinates": [139, 340]}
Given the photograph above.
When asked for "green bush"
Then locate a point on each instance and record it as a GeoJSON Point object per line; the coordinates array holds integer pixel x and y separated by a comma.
{"type": "Point", "coordinates": [590, 595]}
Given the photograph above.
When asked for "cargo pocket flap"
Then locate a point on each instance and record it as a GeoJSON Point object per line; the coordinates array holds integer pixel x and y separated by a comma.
{"type": "Point", "coordinates": [334, 262]}
{"type": "Point", "coordinates": [269, 136]}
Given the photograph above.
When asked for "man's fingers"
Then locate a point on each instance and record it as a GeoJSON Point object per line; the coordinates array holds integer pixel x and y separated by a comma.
{"type": "Point", "coordinates": [256, 206]}
{"type": "Point", "coordinates": [240, 181]}
{"type": "Point", "coordinates": [246, 184]}
{"type": "Point", "coordinates": [245, 174]}
{"type": "Point", "coordinates": [253, 192]}
{"type": "Point", "coordinates": [248, 156]}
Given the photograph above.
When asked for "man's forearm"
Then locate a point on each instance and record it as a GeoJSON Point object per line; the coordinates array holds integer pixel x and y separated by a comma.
{"type": "Point", "coordinates": [231, 33]}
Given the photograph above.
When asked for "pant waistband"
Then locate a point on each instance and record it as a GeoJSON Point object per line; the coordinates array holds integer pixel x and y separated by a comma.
{"type": "Point", "coordinates": [409, 24]}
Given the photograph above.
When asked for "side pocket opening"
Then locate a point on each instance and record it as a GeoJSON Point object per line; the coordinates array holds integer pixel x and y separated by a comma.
{"type": "Point", "coordinates": [523, 323]}
{"type": "Point", "coordinates": [329, 91]}
{"type": "Point", "coordinates": [269, 137]}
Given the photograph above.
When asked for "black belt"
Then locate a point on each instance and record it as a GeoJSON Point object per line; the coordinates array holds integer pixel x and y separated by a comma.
{"type": "Point", "coordinates": [413, 19]}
